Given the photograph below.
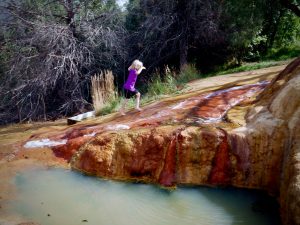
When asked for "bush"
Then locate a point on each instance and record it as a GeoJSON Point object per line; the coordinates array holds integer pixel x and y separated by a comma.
{"type": "Point", "coordinates": [103, 90]}
{"type": "Point", "coordinates": [189, 73]}
{"type": "Point", "coordinates": [248, 67]}
{"type": "Point", "coordinates": [111, 106]}
{"type": "Point", "coordinates": [283, 53]}
{"type": "Point", "coordinates": [159, 86]}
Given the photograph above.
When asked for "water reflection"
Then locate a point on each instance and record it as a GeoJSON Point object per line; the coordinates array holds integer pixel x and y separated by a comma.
{"type": "Point", "coordinates": [58, 196]}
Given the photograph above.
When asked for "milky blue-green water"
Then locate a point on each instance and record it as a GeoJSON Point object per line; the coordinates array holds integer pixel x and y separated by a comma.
{"type": "Point", "coordinates": [63, 197]}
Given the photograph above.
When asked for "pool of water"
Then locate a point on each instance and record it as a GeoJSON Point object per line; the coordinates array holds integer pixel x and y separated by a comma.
{"type": "Point", "coordinates": [57, 196]}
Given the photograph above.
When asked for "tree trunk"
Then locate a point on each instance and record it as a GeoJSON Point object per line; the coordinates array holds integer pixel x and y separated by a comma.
{"type": "Point", "coordinates": [183, 48]}
{"type": "Point", "coordinates": [70, 10]}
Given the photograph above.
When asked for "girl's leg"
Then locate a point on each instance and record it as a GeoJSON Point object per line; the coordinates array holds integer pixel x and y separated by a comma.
{"type": "Point", "coordinates": [122, 109]}
{"type": "Point", "coordinates": [138, 97]}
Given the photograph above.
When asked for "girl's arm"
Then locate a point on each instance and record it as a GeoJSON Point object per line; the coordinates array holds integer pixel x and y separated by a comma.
{"type": "Point", "coordinates": [140, 70]}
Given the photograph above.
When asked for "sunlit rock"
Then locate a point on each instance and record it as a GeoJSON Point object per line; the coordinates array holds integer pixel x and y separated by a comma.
{"type": "Point", "coordinates": [273, 134]}
{"type": "Point", "coordinates": [262, 154]}
{"type": "Point", "coordinates": [244, 136]}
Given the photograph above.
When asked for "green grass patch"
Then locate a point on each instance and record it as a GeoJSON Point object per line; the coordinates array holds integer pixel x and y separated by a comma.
{"type": "Point", "coordinates": [283, 53]}
{"type": "Point", "coordinates": [161, 86]}
{"type": "Point", "coordinates": [248, 67]}
{"type": "Point", "coordinates": [189, 73]}
{"type": "Point", "coordinates": [111, 106]}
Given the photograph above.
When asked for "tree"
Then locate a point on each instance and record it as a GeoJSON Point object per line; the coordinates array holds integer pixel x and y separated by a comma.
{"type": "Point", "coordinates": [293, 5]}
{"type": "Point", "coordinates": [55, 48]}
{"type": "Point", "coordinates": [171, 28]}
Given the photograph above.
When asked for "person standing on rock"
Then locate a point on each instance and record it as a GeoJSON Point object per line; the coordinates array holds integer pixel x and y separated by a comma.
{"type": "Point", "coordinates": [134, 70]}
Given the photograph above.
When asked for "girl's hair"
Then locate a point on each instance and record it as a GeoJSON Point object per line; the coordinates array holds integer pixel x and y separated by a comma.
{"type": "Point", "coordinates": [136, 64]}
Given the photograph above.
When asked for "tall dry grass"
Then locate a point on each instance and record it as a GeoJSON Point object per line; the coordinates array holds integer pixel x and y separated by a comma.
{"type": "Point", "coordinates": [103, 89]}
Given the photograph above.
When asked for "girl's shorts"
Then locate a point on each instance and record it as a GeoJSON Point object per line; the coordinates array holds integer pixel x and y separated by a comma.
{"type": "Point", "coordinates": [129, 94]}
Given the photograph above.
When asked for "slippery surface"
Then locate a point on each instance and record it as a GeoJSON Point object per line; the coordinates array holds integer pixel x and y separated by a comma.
{"type": "Point", "coordinates": [200, 109]}
{"type": "Point", "coordinates": [182, 141]}
{"type": "Point", "coordinates": [206, 136]}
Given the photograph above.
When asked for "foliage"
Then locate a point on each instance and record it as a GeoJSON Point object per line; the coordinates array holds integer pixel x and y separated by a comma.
{"type": "Point", "coordinates": [283, 53]}
{"type": "Point", "coordinates": [288, 33]}
{"type": "Point", "coordinates": [169, 29]}
{"type": "Point", "coordinates": [51, 48]}
{"type": "Point", "coordinates": [242, 21]}
{"type": "Point", "coordinates": [189, 73]}
{"type": "Point", "coordinates": [161, 86]}
{"type": "Point", "coordinates": [246, 67]}
{"type": "Point", "coordinates": [207, 33]}
{"type": "Point", "coordinates": [55, 47]}
{"type": "Point", "coordinates": [280, 29]}
{"type": "Point", "coordinates": [112, 105]}
{"type": "Point", "coordinates": [103, 89]}
{"type": "Point", "coordinates": [134, 16]}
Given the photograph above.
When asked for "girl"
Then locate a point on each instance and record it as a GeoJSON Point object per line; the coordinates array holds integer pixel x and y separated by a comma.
{"type": "Point", "coordinates": [134, 70]}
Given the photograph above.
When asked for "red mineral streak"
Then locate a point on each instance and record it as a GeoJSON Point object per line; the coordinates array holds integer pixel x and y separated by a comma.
{"type": "Point", "coordinates": [66, 151]}
{"type": "Point", "coordinates": [211, 107]}
{"type": "Point", "coordinates": [181, 155]}
{"type": "Point", "coordinates": [221, 166]}
{"type": "Point", "coordinates": [146, 156]}
{"type": "Point", "coordinates": [240, 148]}
{"type": "Point", "coordinates": [216, 105]}
{"type": "Point", "coordinates": [168, 174]}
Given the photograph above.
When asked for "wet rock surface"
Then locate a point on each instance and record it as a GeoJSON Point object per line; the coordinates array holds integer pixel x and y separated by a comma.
{"type": "Point", "coordinates": [201, 146]}
{"type": "Point", "coordinates": [196, 110]}
{"type": "Point", "coordinates": [187, 141]}
{"type": "Point", "coordinates": [242, 134]}
{"type": "Point", "coordinates": [273, 133]}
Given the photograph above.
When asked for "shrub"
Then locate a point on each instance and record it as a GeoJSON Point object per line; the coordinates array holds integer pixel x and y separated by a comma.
{"type": "Point", "coordinates": [187, 74]}
{"type": "Point", "coordinates": [103, 90]}
{"type": "Point", "coordinates": [283, 53]}
{"type": "Point", "coordinates": [161, 86]}
{"type": "Point", "coordinates": [111, 106]}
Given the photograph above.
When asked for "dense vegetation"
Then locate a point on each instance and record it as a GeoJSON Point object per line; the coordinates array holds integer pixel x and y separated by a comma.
{"type": "Point", "coordinates": [51, 48]}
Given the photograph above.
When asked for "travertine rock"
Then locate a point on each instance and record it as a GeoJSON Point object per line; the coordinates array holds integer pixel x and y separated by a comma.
{"type": "Point", "coordinates": [263, 154]}
{"type": "Point", "coordinates": [273, 131]}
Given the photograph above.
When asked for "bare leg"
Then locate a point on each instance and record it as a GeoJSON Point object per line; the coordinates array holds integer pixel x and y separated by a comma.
{"type": "Point", "coordinates": [138, 97]}
{"type": "Point", "coordinates": [122, 109]}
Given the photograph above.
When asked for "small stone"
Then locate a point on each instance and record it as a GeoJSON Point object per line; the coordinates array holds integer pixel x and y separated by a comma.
{"type": "Point", "coordinates": [48, 214]}
{"type": "Point", "coordinates": [84, 220]}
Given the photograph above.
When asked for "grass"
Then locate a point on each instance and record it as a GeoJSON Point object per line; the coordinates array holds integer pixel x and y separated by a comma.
{"type": "Point", "coordinates": [283, 53]}
{"type": "Point", "coordinates": [248, 67]}
{"type": "Point", "coordinates": [188, 74]}
{"type": "Point", "coordinates": [111, 106]}
{"type": "Point", "coordinates": [171, 84]}
{"type": "Point", "coordinates": [159, 86]}
{"type": "Point", "coordinates": [103, 90]}
{"type": "Point", "coordinates": [274, 57]}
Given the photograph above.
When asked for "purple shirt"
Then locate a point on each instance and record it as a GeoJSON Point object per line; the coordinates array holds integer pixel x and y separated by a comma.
{"type": "Point", "coordinates": [129, 85]}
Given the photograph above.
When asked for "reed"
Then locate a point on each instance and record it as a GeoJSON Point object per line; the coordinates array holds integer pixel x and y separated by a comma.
{"type": "Point", "coordinates": [103, 90]}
